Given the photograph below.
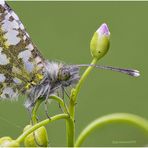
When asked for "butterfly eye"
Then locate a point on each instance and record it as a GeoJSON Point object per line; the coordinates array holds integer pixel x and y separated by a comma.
{"type": "Point", "coordinates": [64, 74]}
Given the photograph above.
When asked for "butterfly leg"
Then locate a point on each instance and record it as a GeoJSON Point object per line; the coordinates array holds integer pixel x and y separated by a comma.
{"type": "Point", "coordinates": [46, 109]}
{"type": "Point", "coordinates": [63, 91]}
{"type": "Point", "coordinates": [58, 94]}
{"type": "Point", "coordinates": [46, 105]}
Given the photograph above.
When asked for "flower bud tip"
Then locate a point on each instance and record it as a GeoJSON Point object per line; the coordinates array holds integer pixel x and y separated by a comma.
{"type": "Point", "coordinates": [103, 30]}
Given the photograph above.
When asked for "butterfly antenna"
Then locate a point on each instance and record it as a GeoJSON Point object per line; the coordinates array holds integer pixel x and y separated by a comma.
{"type": "Point", "coordinates": [131, 72]}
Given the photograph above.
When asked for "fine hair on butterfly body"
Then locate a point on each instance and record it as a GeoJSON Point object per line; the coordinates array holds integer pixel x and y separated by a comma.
{"type": "Point", "coordinates": [56, 76]}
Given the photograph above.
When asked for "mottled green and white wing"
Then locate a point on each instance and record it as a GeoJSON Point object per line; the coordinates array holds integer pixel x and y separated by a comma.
{"type": "Point", "coordinates": [21, 63]}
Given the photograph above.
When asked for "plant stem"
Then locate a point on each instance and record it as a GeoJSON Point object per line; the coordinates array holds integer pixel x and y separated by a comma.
{"type": "Point", "coordinates": [73, 98]}
{"type": "Point", "coordinates": [40, 100]}
{"type": "Point", "coordinates": [70, 132]}
{"type": "Point", "coordinates": [60, 101]}
{"type": "Point", "coordinates": [83, 77]}
{"type": "Point", "coordinates": [42, 123]}
{"type": "Point", "coordinates": [34, 117]}
{"type": "Point", "coordinates": [112, 118]}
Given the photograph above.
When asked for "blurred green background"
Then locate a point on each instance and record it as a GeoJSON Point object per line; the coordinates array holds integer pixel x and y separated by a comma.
{"type": "Point", "coordinates": [62, 31]}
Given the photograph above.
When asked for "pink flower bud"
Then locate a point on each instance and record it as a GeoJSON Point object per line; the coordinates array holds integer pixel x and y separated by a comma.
{"type": "Point", "coordinates": [100, 42]}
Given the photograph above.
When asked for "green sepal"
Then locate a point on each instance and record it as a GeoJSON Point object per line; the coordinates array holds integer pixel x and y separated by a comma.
{"type": "Point", "coordinates": [99, 45]}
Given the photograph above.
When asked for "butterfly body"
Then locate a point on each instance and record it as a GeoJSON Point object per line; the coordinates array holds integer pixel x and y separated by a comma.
{"type": "Point", "coordinates": [56, 76]}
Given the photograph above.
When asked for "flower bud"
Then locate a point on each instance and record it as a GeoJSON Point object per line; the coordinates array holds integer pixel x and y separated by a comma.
{"type": "Point", "coordinates": [5, 139]}
{"type": "Point", "coordinates": [8, 142]}
{"type": "Point", "coordinates": [38, 138]}
{"type": "Point", "coordinates": [99, 44]}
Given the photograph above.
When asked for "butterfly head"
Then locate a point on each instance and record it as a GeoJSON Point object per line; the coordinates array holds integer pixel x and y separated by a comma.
{"type": "Point", "coordinates": [68, 75]}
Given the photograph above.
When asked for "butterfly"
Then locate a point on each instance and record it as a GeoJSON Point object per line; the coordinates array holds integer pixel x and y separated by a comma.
{"type": "Point", "coordinates": [24, 71]}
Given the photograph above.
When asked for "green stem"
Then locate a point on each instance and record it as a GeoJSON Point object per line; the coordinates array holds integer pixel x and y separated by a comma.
{"type": "Point", "coordinates": [42, 123]}
{"type": "Point", "coordinates": [40, 100]}
{"type": "Point", "coordinates": [70, 133]}
{"type": "Point", "coordinates": [83, 77]}
{"type": "Point", "coordinates": [34, 117]}
{"type": "Point", "coordinates": [75, 91]}
{"type": "Point", "coordinates": [112, 118]}
{"type": "Point", "coordinates": [73, 98]}
{"type": "Point", "coordinates": [60, 101]}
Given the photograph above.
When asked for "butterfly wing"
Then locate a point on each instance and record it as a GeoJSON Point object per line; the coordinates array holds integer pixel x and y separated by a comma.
{"type": "Point", "coordinates": [21, 64]}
